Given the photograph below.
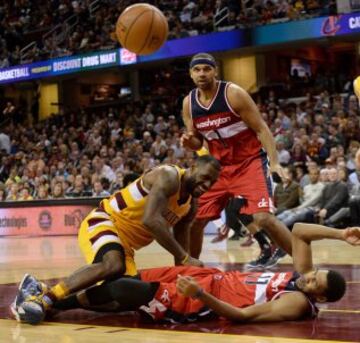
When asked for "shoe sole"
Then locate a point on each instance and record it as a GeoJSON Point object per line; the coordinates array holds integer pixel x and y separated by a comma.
{"type": "Point", "coordinates": [273, 264]}
{"type": "Point", "coordinates": [254, 267]}
{"type": "Point", "coordinates": [13, 307]}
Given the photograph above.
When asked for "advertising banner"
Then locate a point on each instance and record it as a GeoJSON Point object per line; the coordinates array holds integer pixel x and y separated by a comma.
{"type": "Point", "coordinates": [307, 29]}
{"type": "Point", "coordinates": [217, 41]}
{"type": "Point", "coordinates": [42, 221]}
{"type": "Point", "coordinates": [67, 65]}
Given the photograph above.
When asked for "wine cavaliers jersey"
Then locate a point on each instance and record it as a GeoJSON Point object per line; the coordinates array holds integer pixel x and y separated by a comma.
{"type": "Point", "coordinates": [229, 139]}
{"type": "Point", "coordinates": [126, 209]}
{"type": "Point", "coordinates": [234, 287]}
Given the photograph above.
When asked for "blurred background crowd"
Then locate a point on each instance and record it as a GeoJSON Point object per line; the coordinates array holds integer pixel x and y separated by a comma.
{"type": "Point", "coordinates": [38, 29]}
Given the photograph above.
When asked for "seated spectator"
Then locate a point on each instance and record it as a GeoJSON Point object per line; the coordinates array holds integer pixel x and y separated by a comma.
{"type": "Point", "coordinates": [42, 193]}
{"type": "Point", "coordinates": [334, 196]}
{"type": "Point", "coordinates": [13, 193]}
{"type": "Point", "coordinates": [286, 195]}
{"type": "Point", "coordinates": [78, 190]}
{"type": "Point", "coordinates": [298, 154]}
{"type": "Point", "coordinates": [98, 190]}
{"type": "Point", "coordinates": [352, 150]}
{"type": "Point", "coordinates": [25, 194]}
{"type": "Point", "coordinates": [309, 201]}
{"type": "Point", "coordinates": [58, 191]}
{"type": "Point", "coordinates": [324, 175]}
{"type": "Point", "coordinates": [352, 211]}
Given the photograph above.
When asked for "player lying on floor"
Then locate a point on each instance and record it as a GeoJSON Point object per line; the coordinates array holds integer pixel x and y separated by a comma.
{"type": "Point", "coordinates": [186, 293]}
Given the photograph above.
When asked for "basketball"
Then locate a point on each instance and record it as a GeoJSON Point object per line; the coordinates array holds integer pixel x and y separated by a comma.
{"type": "Point", "coordinates": [142, 29]}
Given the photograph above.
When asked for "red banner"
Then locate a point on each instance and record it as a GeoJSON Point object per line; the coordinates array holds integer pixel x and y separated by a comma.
{"type": "Point", "coordinates": [42, 221]}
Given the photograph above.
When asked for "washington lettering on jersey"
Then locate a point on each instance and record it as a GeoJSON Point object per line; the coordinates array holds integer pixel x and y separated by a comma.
{"type": "Point", "coordinates": [229, 139]}
{"type": "Point", "coordinates": [212, 124]}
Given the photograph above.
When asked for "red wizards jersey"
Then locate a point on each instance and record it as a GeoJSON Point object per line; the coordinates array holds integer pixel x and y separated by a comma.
{"type": "Point", "coordinates": [234, 287]}
{"type": "Point", "coordinates": [229, 139]}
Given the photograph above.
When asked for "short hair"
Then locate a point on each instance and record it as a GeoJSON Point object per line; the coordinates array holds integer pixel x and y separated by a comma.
{"type": "Point", "coordinates": [336, 286]}
{"type": "Point", "coordinates": [206, 159]}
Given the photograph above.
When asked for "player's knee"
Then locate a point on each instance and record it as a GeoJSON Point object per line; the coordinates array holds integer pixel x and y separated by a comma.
{"type": "Point", "coordinates": [264, 220]}
{"type": "Point", "coordinates": [199, 224]}
{"type": "Point", "coordinates": [113, 267]}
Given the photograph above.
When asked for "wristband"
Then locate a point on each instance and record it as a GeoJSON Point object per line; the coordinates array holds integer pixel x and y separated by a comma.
{"type": "Point", "coordinates": [185, 259]}
{"type": "Point", "coordinates": [198, 293]}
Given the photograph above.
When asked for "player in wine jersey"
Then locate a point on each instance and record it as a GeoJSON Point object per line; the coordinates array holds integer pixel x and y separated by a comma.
{"type": "Point", "coordinates": [187, 293]}
{"type": "Point", "coordinates": [224, 116]}
{"type": "Point", "coordinates": [130, 219]}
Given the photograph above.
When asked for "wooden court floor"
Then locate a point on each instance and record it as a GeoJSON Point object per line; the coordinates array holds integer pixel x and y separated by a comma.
{"type": "Point", "coordinates": [53, 258]}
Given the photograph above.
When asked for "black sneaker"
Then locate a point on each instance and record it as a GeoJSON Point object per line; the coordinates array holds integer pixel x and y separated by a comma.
{"type": "Point", "coordinates": [277, 255]}
{"type": "Point", "coordinates": [259, 263]}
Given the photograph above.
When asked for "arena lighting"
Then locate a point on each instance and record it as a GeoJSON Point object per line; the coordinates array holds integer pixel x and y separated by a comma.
{"type": "Point", "coordinates": [218, 41]}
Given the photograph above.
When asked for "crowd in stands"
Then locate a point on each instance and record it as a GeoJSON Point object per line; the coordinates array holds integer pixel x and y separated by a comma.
{"type": "Point", "coordinates": [83, 27]}
{"type": "Point", "coordinates": [83, 153]}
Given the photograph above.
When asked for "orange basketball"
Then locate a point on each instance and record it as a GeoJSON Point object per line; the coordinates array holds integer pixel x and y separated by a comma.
{"type": "Point", "coordinates": [142, 29]}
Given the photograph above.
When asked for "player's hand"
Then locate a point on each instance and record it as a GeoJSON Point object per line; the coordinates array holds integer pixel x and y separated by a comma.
{"type": "Point", "coordinates": [352, 235]}
{"type": "Point", "coordinates": [193, 262]}
{"type": "Point", "coordinates": [190, 141]}
{"type": "Point", "coordinates": [187, 286]}
{"type": "Point", "coordinates": [277, 169]}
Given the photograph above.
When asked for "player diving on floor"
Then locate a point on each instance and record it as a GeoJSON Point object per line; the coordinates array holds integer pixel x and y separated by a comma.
{"type": "Point", "coordinates": [188, 293]}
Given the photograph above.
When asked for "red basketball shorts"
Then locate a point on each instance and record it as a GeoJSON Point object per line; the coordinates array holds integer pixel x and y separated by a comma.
{"type": "Point", "coordinates": [168, 304]}
{"type": "Point", "coordinates": [249, 180]}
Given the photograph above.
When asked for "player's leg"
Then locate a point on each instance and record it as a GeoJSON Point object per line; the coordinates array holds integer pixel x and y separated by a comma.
{"type": "Point", "coordinates": [210, 206]}
{"type": "Point", "coordinates": [263, 241]}
{"type": "Point", "coordinates": [277, 231]}
{"type": "Point", "coordinates": [255, 186]}
{"type": "Point", "coordinates": [124, 294]}
{"type": "Point", "coordinates": [101, 245]}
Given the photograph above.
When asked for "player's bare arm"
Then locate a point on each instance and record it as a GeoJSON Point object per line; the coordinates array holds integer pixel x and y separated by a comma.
{"type": "Point", "coordinates": [243, 104]}
{"type": "Point", "coordinates": [163, 183]}
{"type": "Point", "coordinates": [290, 306]}
{"type": "Point", "coordinates": [191, 139]}
{"type": "Point", "coordinates": [303, 234]}
{"type": "Point", "coordinates": [182, 229]}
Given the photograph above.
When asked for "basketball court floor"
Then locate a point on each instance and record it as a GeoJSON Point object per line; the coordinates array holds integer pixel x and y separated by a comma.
{"type": "Point", "coordinates": [55, 257]}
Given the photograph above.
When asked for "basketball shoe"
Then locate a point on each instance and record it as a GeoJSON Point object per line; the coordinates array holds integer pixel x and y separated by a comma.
{"type": "Point", "coordinates": [29, 288]}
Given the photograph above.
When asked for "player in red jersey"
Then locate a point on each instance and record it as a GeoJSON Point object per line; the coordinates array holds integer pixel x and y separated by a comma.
{"type": "Point", "coordinates": [224, 116]}
{"type": "Point", "coordinates": [185, 293]}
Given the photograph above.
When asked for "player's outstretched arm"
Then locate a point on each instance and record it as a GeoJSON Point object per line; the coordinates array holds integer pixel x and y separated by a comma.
{"type": "Point", "coordinates": [303, 234]}
{"type": "Point", "coordinates": [290, 306]}
{"type": "Point", "coordinates": [191, 139]}
{"type": "Point", "coordinates": [165, 185]}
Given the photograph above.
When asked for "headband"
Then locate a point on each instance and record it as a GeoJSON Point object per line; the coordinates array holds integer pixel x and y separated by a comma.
{"type": "Point", "coordinates": [197, 61]}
